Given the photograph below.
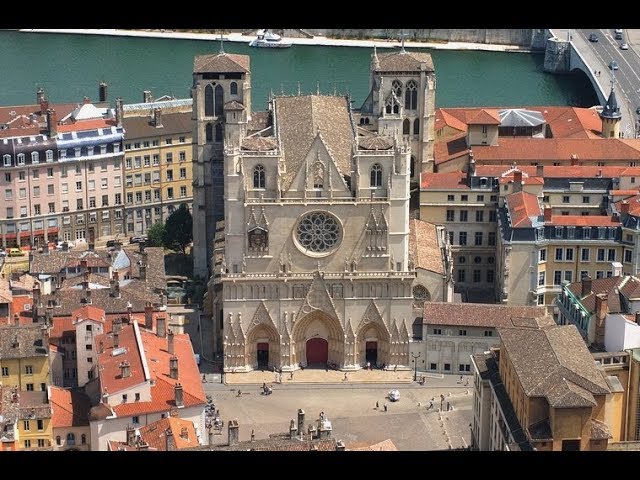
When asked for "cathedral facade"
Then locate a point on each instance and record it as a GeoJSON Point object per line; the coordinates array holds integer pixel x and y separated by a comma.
{"type": "Point", "coordinates": [316, 269]}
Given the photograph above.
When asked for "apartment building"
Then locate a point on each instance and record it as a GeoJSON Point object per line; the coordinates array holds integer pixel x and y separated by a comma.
{"type": "Point", "coordinates": [158, 160]}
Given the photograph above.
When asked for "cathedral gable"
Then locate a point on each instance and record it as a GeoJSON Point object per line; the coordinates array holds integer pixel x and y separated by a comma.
{"type": "Point", "coordinates": [261, 316]}
{"type": "Point", "coordinates": [318, 298]}
{"type": "Point", "coordinates": [319, 172]}
{"type": "Point", "coordinates": [372, 315]}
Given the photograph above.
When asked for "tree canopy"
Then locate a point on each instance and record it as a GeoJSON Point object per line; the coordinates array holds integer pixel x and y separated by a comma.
{"type": "Point", "coordinates": [179, 229]}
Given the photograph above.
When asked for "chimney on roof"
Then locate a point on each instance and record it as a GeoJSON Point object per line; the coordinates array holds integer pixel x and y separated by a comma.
{"type": "Point", "coordinates": [40, 95]}
{"type": "Point", "coordinates": [340, 446]}
{"type": "Point", "coordinates": [161, 327]}
{"type": "Point", "coordinates": [35, 293]}
{"type": "Point", "coordinates": [616, 269]}
{"type": "Point", "coordinates": [539, 170]}
{"type": "Point", "coordinates": [157, 117]}
{"type": "Point", "coordinates": [45, 249]}
{"type": "Point", "coordinates": [52, 122]}
{"type": "Point", "coordinates": [86, 100]}
{"type": "Point", "coordinates": [65, 246]}
{"type": "Point", "coordinates": [146, 96]}
{"type": "Point", "coordinates": [574, 160]}
{"type": "Point", "coordinates": [142, 445]}
{"type": "Point", "coordinates": [116, 339]}
{"type": "Point", "coordinates": [301, 421]}
{"type": "Point", "coordinates": [44, 104]}
{"type": "Point", "coordinates": [119, 111]}
{"type": "Point", "coordinates": [293, 430]}
{"type": "Point", "coordinates": [184, 433]}
{"type": "Point", "coordinates": [233, 428]}
{"type": "Point", "coordinates": [547, 213]}
{"type": "Point", "coordinates": [170, 342]}
{"type": "Point", "coordinates": [102, 91]}
{"type": "Point", "coordinates": [210, 435]}
{"type": "Point", "coordinates": [173, 367]}
{"type": "Point", "coordinates": [624, 207]}
{"type": "Point", "coordinates": [87, 293]}
{"type": "Point", "coordinates": [171, 442]}
{"type": "Point", "coordinates": [179, 398]}
{"type": "Point", "coordinates": [125, 369]}
{"type": "Point", "coordinates": [131, 436]}
{"type": "Point", "coordinates": [129, 312]}
{"type": "Point", "coordinates": [143, 267]}
{"type": "Point", "coordinates": [117, 325]}
{"type": "Point", "coordinates": [586, 286]}
{"type": "Point", "coordinates": [148, 316]}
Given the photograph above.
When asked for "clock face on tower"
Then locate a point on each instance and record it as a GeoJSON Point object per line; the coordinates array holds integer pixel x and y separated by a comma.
{"type": "Point", "coordinates": [318, 234]}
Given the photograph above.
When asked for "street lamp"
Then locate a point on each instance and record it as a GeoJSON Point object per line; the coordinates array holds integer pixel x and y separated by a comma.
{"type": "Point", "coordinates": [415, 365]}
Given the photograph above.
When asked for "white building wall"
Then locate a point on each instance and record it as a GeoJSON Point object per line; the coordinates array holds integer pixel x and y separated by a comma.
{"type": "Point", "coordinates": [451, 348]}
{"type": "Point", "coordinates": [620, 334]}
{"type": "Point", "coordinates": [84, 338]}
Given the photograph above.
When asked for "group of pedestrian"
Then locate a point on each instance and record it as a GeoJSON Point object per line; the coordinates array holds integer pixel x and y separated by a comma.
{"type": "Point", "coordinates": [384, 406]}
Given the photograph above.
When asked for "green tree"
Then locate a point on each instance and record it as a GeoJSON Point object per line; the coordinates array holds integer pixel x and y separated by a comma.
{"type": "Point", "coordinates": [179, 229]}
{"type": "Point", "coordinates": [155, 235]}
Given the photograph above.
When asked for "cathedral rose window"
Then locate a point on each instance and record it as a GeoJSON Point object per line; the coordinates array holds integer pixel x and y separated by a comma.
{"type": "Point", "coordinates": [318, 232]}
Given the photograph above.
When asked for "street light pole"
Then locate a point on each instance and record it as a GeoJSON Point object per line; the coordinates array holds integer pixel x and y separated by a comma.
{"type": "Point", "coordinates": [415, 365]}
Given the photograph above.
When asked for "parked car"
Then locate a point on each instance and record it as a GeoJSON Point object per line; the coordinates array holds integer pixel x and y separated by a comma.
{"type": "Point", "coordinates": [111, 243]}
{"type": "Point", "coordinates": [3, 253]}
{"type": "Point", "coordinates": [593, 37]}
{"type": "Point", "coordinates": [624, 46]}
{"type": "Point", "coordinates": [59, 246]}
{"type": "Point", "coordinates": [394, 395]}
{"type": "Point", "coordinates": [16, 252]}
{"type": "Point", "coordinates": [618, 34]}
{"type": "Point", "coordinates": [613, 65]}
{"type": "Point", "coordinates": [138, 239]}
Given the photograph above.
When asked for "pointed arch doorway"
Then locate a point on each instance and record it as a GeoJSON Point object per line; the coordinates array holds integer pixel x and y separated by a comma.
{"type": "Point", "coordinates": [317, 352]}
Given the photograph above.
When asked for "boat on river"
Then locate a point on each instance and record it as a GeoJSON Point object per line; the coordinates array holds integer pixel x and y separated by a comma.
{"type": "Point", "coordinates": [267, 39]}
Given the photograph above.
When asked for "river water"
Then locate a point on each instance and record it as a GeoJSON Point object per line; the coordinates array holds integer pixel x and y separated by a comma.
{"type": "Point", "coordinates": [71, 66]}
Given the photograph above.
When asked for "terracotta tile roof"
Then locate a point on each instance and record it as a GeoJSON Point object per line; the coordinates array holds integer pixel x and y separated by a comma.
{"type": "Point", "coordinates": [71, 298]}
{"type": "Point", "coordinates": [526, 180]}
{"type": "Point", "coordinates": [560, 171]}
{"type": "Point", "coordinates": [485, 117]}
{"type": "Point", "coordinates": [584, 221]}
{"type": "Point", "coordinates": [300, 117]}
{"type": "Point", "coordinates": [91, 124]}
{"type": "Point", "coordinates": [70, 408]}
{"type": "Point", "coordinates": [445, 180]}
{"type": "Point", "coordinates": [554, 363]}
{"type": "Point", "coordinates": [18, 306]}
{"type": "Point", "coordinates": [34, 404]}
{"type": "Point", "coordinates": [444, 118]}
{"type": "Point", "coordinates": [631, 288]}
{"type": "Point", "coordinates": [172, 124]}
{"type": "Point", "coordinates": [407, 61]}
{"type": "Point", "coordinates": [89, 312]}
{"type": "Point", "coordinates": [634, 205]}
{"type": "Point", "coordinates": [157, 357]}
{"type": "Point", "coordinates": [623, 193]}
{"type": "Point", "coordinates": [424, 250]}
{"type": "Point", "coordinates": [233, 105]}
{"type": "Point", "coordinates": [453, 147]}
{"type": "Point", "coordinates": [22, 341]}
{"type": "Point", "coordinates": [259, 144]}
{"type": "Point", "coordinates": [527, 150]}
{"type": "Point", "coordinates": [184, 433]}
{"type": "Point", "coordinates": [7, 114]}
{"type": "Point", "coordinates": [522, 207]}
{"type": "Point", "coordinates": [258, 121]}
{"type": "Point", "coordinates": [24, 282]}
{"type": "Point", "coordinates": [221, 63]}
{"type": "Point", "coordinates": [478, 314]}
{"type": "Point", "coordinates": [607, 286]}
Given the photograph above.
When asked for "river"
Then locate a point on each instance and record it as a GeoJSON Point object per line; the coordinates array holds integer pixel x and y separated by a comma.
{"type": "Point", "coordinates": [70, 66]}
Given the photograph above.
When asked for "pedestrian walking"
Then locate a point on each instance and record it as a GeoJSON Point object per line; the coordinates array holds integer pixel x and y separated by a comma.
{"type": "Point", "coordinates": [204, 379]}
{"type": "Point", "coordinates": [345, 377]}
{"type": "Point", "coordinates": [377, 405]}
{"type": "Point", "coordinates": [460, 379]}
{"type": "Point", "coordinates": [291, 376]}
{"type": "Point", "coordinates": [368, 365]}
{"type": "Point", "coordinates": [385, 407]}
{"type": "Point", "coordinates": [395, 368]}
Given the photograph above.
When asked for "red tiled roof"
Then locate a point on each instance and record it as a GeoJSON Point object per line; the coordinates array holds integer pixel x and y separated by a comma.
{"type": "Point", "coordinates": [522, 206]}
{"type": "Point", "coordinates": [561, 171]}
{"type": "Point", "coordinates": [526, 180]}
{"type": "Point", "coordinates": [485, 117]}
{"type": "Point", "coordinates": [477, 314]}
{"type": "Point", "coordinates": [423, 246]}
{"type": "Point", "coordinates": [61, 325]}
{"type": "Point", "coordinates": [453, 147]}
{"type": "Point", "coordinates": [634, 205]}
{"type": "Point", "coordinates": [110, 376]}
{"type": "Point", "coordinates": [584, 221]}
{"type": "Point", "coordinates": [18, 306]}
{"type": "Point", "coordinates": [69, 408]}
{"type": "Point", "coordinates": [445, 180]}
{"type": "Point", "coordinates": [9, 113]}
{"type": "Point", "coordinates": [88, 312]}
{"type": "Point", "coordinates": [623, 193]}
{"type": "Point", "coordinates": [558, 149]}
{"type": "Point", "coordinates": [90, 124]}
{"type": "Point", "coordinates": [184, 433]}
{"type": "Point", "coordinates": [444, 118]}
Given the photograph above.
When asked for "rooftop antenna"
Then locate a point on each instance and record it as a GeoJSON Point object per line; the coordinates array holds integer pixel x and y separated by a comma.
{"type": "Point", "coordinates": [402, 35]}
{"type": "Point", "coordinates": [221, 43]}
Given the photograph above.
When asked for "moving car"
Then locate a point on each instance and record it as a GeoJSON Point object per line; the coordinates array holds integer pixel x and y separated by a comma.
{"type": "Point", "coordinates": [618, 33]}
{"type": "Point", "coordinates": [16, 252]}
{"type": "Point", "coordinates": [624, 46]}
{"type": "Point", "coordinates": [613, 65]}
{"type": "Point", "coordinates": [138, 239]}
{"type": "Point", "coordinates": [593, 37]}
{"type": "Point", "coordinates": [394, 395]}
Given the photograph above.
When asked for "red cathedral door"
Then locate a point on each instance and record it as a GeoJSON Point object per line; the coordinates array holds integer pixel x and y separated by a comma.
{"type": "Point", "coordinates": [317, 351]}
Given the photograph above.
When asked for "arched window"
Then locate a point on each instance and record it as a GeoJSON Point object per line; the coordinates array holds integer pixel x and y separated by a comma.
{"type": "Point", "coordinates": [318, 175]}
{"type": "Point", "coordinates": [208, 101]}
{"type": "Point", "coordinates": [411, 95]}
{"type": "Point", "coordinates": [396, 108]}
{"type": "Point", "coordinates": [396, 86]}
{"type": "Point", "coordinates": [420, 293]}
{"type": "Point", "coordinates": [413, 166]}
{"type": "Point", "coordinates": [209, 132]}
{"type": "Point", "coordinates": [376, 175]}
{"type": "Point", "coordinates": [366, 121]}
{"type": "Point", "coordinates": [361, 121]}
{"type": "Point", "coordinates": [259, 177]}
{"type": "Point", "coordinates": [58, 440]}
{"type": "Point", "coordinates": [233, 88]}
{"type": "Point", "coordinates": [406, 127]}
{"type": "Point", "coordinates": [49, 154]}
{"type": "Point", "coordinates": [388, 108]}
{"type": "Point", "coordinates": [218, 132]}
{"type": "Point", "coordinates": [35, 158]}
{"type": "Point", "coordinates": [83, 439]}
{"type": "Point", "coordinates": [219, 94]}
{"type": "Point", "coordinates": [416, 126]}
{"type": "Point", "coordinates": [71, 439]}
